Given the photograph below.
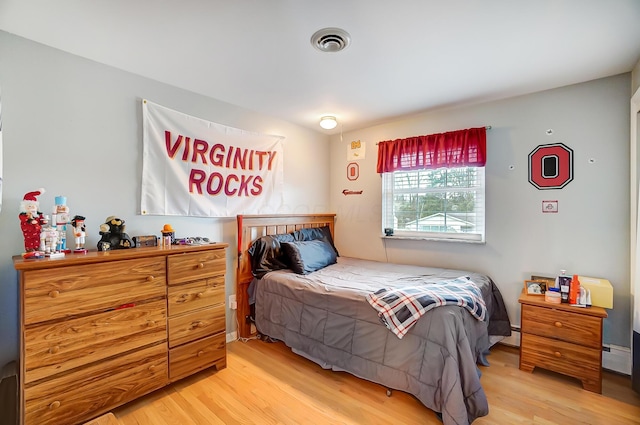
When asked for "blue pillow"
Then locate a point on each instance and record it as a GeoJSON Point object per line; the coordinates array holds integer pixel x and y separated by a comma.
{"type": "Point", "coordinates": [313, 233]}
{"type": "Point", "coordinates": [308, 256]}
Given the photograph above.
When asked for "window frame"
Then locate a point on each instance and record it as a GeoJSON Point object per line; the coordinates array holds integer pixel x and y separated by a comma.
{"type": "Point", "coordinates": [388, 218]}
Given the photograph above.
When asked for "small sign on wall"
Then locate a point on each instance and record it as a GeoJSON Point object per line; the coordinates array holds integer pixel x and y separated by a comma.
{"type": "Point", "coordinates": [549, 206]}
{"type": "Point", "coordinates": [353, 171]}
{"type": "Point", "coordinates": [355, 151]}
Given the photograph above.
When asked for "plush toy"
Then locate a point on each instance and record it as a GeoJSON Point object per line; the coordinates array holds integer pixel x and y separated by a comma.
{"type": "Point", "coordinates": [113, 235]}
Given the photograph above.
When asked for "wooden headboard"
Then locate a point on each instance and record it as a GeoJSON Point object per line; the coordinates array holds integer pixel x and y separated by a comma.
{"type": "Point", "coordinates": [250, 228]}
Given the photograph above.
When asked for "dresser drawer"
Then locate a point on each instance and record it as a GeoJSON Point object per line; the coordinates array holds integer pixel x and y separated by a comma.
{"type": "Point", "coordinates": [566, 326]}
{"type": "Point", "coordinates": [196, 324]}
{"type": "Point", "coordinates": [196, 356]}
{"type": "Point", "coordinates": [569, 359]}
{"type": "Point", "coordinates": [79, 396]}
{"type": "Point", "coordinates": [196, 295]}
{"type": "Point", "coordinates": [68, 291]}
{"type": "Point", "coordinates": [56, 347]}
{"type": "Point", "coordinates": [184, 268]}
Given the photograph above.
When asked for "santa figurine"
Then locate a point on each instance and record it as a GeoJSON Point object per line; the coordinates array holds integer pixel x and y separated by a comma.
{"type": "Point", "coordinates": [31, 220]}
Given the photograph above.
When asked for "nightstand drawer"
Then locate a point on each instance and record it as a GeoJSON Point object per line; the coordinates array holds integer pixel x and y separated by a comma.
{"type": "Point", "coordinates": [562, 357]}
{"type": "Point", "coordinates": [562, 325]}
{"type": "Point", "coordinates": [197, 324]}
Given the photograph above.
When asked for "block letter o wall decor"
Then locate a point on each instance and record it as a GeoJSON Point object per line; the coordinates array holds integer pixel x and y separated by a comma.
{"type": "Point", "coordinates": [551, 166]}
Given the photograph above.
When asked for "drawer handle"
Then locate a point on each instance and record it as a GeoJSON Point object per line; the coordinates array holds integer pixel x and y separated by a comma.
{"type": "Point", "coordinates": [54, 294]}
{"type": "Point", "coordinates": [197, 324]}
{"type": "Point", "coordinates": [200, 353]}
{"type": "Point", "coordinates": [151, 368]}
{"type": "Point", "coordinates": [54, 405]}
{"type": "Point", "coordinates": [199, 295]}
{"type": "Point", "coordinates": [558, 324]}
{"type": "Point", "coordinates": [201, 266]}
{"type": "Point", "coordinates": [557, 354]}
{"type": "Point", "coordinates": [151, 323]}
{"type": "Point", "coordinates": [54, 349]}
{"type": "Point", "coordinates": [150, 278]}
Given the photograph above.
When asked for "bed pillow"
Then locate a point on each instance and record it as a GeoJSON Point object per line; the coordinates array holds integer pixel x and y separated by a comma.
{"type": "Point", "coordinates": [305, 257]}
{"type": "Point", "coordinates": [266, 254]}
{"type": "Point", "coordinates": [314, 233]}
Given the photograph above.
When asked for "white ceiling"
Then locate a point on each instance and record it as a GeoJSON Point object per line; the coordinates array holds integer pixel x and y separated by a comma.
{"type": "Point", "coordinates": [405, 56]}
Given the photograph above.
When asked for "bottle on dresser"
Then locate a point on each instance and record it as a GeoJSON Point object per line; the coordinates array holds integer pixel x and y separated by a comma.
{"type": "Point", "coordinates": [564, 283]}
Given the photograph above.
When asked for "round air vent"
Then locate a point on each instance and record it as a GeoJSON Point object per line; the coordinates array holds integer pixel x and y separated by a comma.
{"type": "Point", "coordinates": [330, 39]}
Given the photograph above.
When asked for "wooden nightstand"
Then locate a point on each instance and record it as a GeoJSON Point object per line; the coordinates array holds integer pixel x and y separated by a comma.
{"type": "Point", "coordinates": [563, 339]}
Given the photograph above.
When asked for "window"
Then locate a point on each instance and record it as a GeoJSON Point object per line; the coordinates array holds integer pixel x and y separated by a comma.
{"type": "Point", "coordinates": [442, 203]}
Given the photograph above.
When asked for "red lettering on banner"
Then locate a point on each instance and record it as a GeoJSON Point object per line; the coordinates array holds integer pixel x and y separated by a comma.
{"type": "Point", "coordinates": [272, 156]}
{"type": "Point", "coordinates": [260, 155]}
{"type": "Point", "coordinates": [240, 159]}
{"type": "Point", "coordinates": [257, 184]}
{"type": "Point", "coordinates": [233, 185]}
{"type": "Point", "coordinates": [229, 156]}
{"type": "Point", "coordinates": [185, 154]}
{"type": "Point", "coordinates": [198, 151]}
{"type": "Point", "coordinates": [216, 156]}
{"type": "Point", "coordinates": [200, 147]}
{"type": "Point", "coordinates": [228, 191]}
{"type": "Point", "coordinates": [244, 185]}
{"type": "Point", "coordinates": [196, 177]}
{"type": "Point", "coordinates": [210, 188]}
{"type": "Point", "coordinates": [171, 150]}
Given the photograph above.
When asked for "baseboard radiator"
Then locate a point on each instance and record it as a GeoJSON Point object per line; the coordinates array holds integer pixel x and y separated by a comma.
{"type": "Point", "coordinates": [614, 358]}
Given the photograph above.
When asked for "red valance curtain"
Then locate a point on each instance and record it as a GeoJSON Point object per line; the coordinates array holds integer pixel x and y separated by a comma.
{"type": "Point", "coordinates": [460, 148]}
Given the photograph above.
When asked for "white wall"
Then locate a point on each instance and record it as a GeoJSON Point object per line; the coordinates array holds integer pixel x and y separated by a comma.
{"type": "Point", "coordinates": [74, 127]}
{"type": "Point", "coordinates": [589, 235]}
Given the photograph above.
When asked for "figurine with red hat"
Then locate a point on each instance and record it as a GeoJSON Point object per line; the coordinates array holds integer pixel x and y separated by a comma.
{"type": "Point", "coordinates": [31, 220]}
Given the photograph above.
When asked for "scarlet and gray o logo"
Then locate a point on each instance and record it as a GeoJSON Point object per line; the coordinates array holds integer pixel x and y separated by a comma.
{"type": "Point", "coordinates": [551, 166]}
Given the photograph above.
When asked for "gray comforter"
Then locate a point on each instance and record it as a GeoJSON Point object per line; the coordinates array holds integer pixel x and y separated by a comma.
{"type": "Point", "coordinates": [324, 316]}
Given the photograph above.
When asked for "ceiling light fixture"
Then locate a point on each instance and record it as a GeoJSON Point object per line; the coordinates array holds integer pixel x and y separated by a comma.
{"type": "Point", "coordinates": [330, 40]}
{"type": "Point", "coordinates": [328, 122]}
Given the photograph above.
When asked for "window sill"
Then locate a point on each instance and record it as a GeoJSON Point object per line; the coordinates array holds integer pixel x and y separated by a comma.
{"type": "Point", "coordinates": [424, 238]}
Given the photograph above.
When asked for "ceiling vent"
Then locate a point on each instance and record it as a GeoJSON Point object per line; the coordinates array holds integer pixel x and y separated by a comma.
{"type": "Point", "coordinates": [330, 40]}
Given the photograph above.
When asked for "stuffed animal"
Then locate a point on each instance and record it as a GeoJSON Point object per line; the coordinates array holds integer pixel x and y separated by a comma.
{"type": "Point", "coordinates": [113, 235]}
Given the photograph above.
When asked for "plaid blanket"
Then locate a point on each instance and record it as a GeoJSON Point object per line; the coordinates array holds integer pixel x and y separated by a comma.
{"type": "Point", "coordinates": [400, 308]}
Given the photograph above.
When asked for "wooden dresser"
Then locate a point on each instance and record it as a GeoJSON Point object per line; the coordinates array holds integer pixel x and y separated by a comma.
{"type": "Point", "coordinates": [563, 339]}
{"type": "Point", "coordinates": [96, 330]}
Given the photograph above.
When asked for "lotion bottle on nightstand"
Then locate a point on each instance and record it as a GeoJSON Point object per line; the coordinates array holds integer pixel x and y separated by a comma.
{"type": "Point", "coordinates": [574, 290]}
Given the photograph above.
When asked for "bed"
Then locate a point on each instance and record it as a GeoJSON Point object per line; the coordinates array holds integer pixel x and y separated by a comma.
{"type": "Point", "coordinates": [331, 313]}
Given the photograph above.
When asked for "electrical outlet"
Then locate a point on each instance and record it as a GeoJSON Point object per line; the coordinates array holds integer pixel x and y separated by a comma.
{"type": "Point", "coordinates": [233, 304]}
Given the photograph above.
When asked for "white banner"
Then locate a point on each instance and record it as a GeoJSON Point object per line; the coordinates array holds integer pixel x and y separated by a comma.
{"type": "Point", "coordinates": [194, 167]}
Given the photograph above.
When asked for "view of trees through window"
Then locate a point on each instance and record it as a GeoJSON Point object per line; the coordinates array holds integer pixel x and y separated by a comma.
{"type": "Point", "coordinates": [441, 200]}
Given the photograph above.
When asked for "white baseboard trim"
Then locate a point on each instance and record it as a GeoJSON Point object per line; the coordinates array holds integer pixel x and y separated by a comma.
{"type": "Point", "coordinates": [614, 358]}
{"type": "Point", "coordinates": [617, 359]}
{"type": "Point", "coordinates": [232, 336]}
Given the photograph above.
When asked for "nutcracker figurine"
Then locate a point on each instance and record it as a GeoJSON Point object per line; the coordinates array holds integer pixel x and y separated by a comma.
{"type": "Point", "coordinates": [60, 221]}
{"type": "Point", "coordinates": [79, 232]}
{"type": "Point", "coordinates": [31, 221]}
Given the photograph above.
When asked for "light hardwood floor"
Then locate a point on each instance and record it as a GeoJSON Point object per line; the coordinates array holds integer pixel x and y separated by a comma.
{"type": "Point", "coordinates": [265, 383]}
